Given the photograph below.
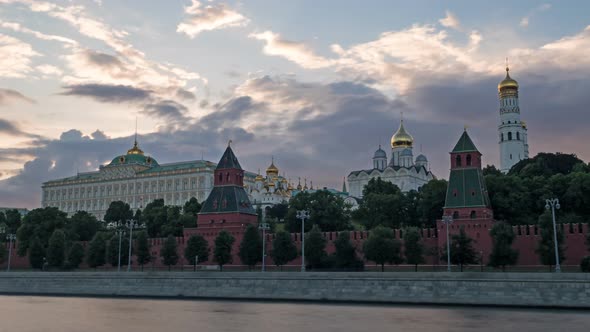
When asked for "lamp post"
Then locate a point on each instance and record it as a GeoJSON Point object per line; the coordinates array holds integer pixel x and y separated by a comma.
{"type": "Point", "coordinates": [481, 261]}
{"type": "Point", "coordinates": [10, 237]}
{"type": "Point", "coordinates": [448, 220]}
{"type": "Point", "coordinates": [553, 203]}
{"type": "Point", "coordinates": [131, 225]}
{"type": "Point", "coordinates": [264, 227]}
{"type": "Point", "coordinates": [302, 214]}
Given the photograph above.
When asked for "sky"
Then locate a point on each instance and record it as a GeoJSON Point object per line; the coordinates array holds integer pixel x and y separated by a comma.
{"type": "Point", "coordinates": [316, 84]}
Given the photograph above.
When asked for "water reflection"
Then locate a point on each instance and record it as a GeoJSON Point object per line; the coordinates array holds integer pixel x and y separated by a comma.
{"type": "Point", "coordinates": [23, 314]}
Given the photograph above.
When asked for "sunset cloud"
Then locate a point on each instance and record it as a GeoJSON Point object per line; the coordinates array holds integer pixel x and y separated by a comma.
{"type": "Point", "coordinates": [201, 18]}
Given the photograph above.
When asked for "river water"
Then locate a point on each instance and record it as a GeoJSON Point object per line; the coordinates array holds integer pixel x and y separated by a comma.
{"type": "Point", "coordinates": [65, 314]}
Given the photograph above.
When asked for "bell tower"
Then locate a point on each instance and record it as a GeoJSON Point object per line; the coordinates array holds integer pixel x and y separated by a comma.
{"type": "Point", "coordinates": [512, 131]}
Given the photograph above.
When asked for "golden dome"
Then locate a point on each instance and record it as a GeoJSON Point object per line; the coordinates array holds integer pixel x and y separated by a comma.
{"type": "Point", "coordinates": [259, 177]}
{"type": "Point", "coordinates": [272, 169]}
{"type": "Point", "coordinates": [401, 137]}
{"type": "Point", "coordinates": [284, 180]}
{"type": "Point", "coordinates": [508, 82]}
{"type": "Point", "coordinates": [135, 149]}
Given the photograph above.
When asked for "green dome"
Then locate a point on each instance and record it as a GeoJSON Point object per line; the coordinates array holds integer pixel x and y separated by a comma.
{"type": "Point", "coordinates": [134, 159]}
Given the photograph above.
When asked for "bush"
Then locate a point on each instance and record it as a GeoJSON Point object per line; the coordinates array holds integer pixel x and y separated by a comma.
{"type": "Point", "coordinates": [585, 264]}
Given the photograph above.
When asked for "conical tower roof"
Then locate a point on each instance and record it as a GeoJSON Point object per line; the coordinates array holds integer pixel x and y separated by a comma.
{"type": "Point", "coordinates": [228, 160]}
{"type": "Point", "coordinates": [465, 144]}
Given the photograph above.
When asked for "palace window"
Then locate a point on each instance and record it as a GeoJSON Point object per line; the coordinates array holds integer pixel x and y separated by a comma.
{"type": "Point", "coordinates": [510, 136]}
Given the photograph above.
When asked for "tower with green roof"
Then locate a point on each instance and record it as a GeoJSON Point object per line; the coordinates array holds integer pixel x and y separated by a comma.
{"type": "Point", "coordinates": [228, 205]}
{"type": "Point", "coordinates": [467, 197]}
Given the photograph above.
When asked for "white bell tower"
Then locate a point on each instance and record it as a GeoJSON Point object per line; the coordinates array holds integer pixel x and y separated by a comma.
{"type": "Point", "coordinates": [512, 131]}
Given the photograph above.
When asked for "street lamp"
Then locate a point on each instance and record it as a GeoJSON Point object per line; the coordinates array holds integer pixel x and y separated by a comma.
{"type": "Point", "coordinates": [10, 237]}
{"type": "Point", "coordinates": [131, 225]}
{"type": "Point", "coordinates": [264, 227]}
{"type": "Point", "coordinates": [303, 214]}
{"type": "Point", "coordinates": [553, 203]}
{"type": "Point", "coordinates": [448, 220]}
{"type": "Point", "coordinates": [119, 232]}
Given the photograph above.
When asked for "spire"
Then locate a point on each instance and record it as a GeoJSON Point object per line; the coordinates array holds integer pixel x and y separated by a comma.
{"type": "Point", "coordinates": [344, 185]}
{"type": "Point", "coordinates": [228, 160]}
{"type": "Point", "coordinates": [135, 149]}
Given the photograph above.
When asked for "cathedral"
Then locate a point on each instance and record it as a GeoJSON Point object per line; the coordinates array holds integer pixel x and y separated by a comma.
{"type": "Point", "coordinates": [514, 145]}
{"type": "Point", "coordinates": [270, 189]}
{"type": "Point", "coordinates": [402, 169]}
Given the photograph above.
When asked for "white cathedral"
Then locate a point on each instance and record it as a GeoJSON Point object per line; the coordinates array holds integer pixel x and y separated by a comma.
{"type": "Point", "coordinates": [514, 145]}
{"type": "Point", "coordinates": [402, 170]}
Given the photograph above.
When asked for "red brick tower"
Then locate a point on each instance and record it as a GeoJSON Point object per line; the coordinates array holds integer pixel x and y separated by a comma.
{"type": "Point", "coordinates": [228, 206]}
{"type": "Point", "coordinates": [467, 200]}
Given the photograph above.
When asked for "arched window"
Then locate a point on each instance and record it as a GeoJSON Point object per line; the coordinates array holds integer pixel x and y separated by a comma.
{"type": "Point", "coordinates": [468, 160]}
{"type": "Point", "coordinates": [472, 215]}
{"type": "Point", "coordinates": [518, 136]}
{"type": "Point", "coordinates": [458, 160]}
{"type": "Point", "coordinates": [501, 137]}
{"type": "Point", "coordinates": [510, 136]}
{"type": "Point", "coordinates": [220, 177]}
{"type": "Point", "coordinates": [456, 215]}
{"type": "Point", "coordinates": [227, 176]}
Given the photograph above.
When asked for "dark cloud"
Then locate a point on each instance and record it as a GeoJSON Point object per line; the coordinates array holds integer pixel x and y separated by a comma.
{"type": "Point", "coordinates": [185, 94]}
{"type": "Point", "coordinates": [108, 93]}
{"type": "Point", "coordinates": [166, 109]}
{"type": "Point", "coordinates": [8, 96]}
{"type": "Point", "coordinates": [102, 59]}
{"type": "Point", "coordinates": [10, 128]}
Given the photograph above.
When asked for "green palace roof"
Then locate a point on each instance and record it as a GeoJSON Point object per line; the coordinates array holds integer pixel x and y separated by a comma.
{"type": "Point", "coordinates": [131, 159]}
{"type": "Point", "coordinates": [465, 144]}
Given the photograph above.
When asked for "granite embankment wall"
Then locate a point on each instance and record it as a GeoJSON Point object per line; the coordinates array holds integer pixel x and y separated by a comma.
{"type": "Point", "coordinates": [571, 290]}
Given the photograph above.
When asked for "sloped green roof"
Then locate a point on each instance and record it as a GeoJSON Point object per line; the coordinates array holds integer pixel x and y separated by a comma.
{"type": "Point", "coordinates": [129, 159]}
{"type": "Point", "coordinates": [466, 189]}
{"type": "Point", "coordinates": [179, 166]}
{"type": "Point", "coordinates": [228, 160]}
{"type": "Point", "coordinates": [227, 199]}
{"type": "Point", "coordinates": [465, 144]}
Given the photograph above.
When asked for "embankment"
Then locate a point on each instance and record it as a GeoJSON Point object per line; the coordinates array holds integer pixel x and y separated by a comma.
{"type": "Point", "coordinates": [566, 290]}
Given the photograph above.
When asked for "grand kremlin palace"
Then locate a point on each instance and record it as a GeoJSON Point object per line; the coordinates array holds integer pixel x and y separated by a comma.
{"type": "Point", "coordinates": [138, 179]}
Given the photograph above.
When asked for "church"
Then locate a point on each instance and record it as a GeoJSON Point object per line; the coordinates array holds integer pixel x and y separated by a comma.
{"type": "Point", "coordinates": [402, 169]}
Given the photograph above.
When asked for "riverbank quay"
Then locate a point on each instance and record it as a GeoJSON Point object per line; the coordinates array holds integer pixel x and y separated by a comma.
{"type": "Point", "coordinates": [551, 290]}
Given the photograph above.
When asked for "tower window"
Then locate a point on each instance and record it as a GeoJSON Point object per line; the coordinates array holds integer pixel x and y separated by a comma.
{"type": "Point", "coordinates": [517, 136]}
{"type": "Point", "coordinates": [456, 215]}
{"type": "Point", "coordinates": [510, 136]}
{"type": "Point", "coordinates": [472, 215]}
{"type": "Point", "coordinates": [511, 156]}
{"type": "Point", "coordinates": [468, 160]}
{"type": "Point", "coordinates": [220, 177]}
{"type": "Point", "coordinates": [458, 161]}
{"type": "Point", "coordinates": [501, 137]}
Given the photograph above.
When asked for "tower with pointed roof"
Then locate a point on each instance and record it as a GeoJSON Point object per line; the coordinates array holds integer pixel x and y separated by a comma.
{"type": "Point", "coordinates": [467, 196]}
{"type": "Point", "coordinates": [512, 130]}
{"type": "Point", "coordinates": [228, 205]}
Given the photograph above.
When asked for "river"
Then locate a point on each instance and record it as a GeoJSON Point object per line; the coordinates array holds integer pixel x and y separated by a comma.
{"type": "Point", "coordinates": [65, 314]}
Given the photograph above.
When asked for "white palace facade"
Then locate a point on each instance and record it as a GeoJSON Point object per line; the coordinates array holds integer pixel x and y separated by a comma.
{"type": "Point", "coordinates": [402, 169]}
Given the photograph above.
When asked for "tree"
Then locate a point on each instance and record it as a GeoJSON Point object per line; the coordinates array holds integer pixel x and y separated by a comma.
{"type": "Point", "coordinates": [192, 207]}
{"type": "Point", "coordinates": [345, 256]}
{"type": "Point", "coordinates": [546, 246]}
{"type": "Point", "coordinates": [56, 249]}
{"type": "Point", "coordinates": [413, 248]}
{"type": "Point", "coordinates": [431, 201]}
{"type": "Point", "coordinates": [75, 255]}
{"type": "Point", "coordinates": [143, 250]}
{"type": "Point", "coordinates": [315, 248]}
{"type": "Point", "coordinates": [155, 215]}
{"type": "Point", "coordinates": [223, 248]}
{"type": "Point", "coordinates": [502, 252]}
{"type": "Point", "coordinates": [118, 213]}
{"type": "Point", "coordinates": [462, 252]}
{"type": "Point", "coordinates": [82, 226]}
{"type": "Point", "coordinates": [39, 223]}
{"type": "Point", "coordinates": [36, 254]}
{"type": "Point", "coordinates": [197, 250]}
{"type": "Point", "coordinates": [169, 252]}
{"type": "Point", "coordinates": [173, 225]}
{"type": "Point", "coordinates": [327, 210]}
{"type": "Point", "coordinates": [251, 247]}
{"type": "Point", "coordinates": [381, 247]}
{"type": "Point", "coordinates": [491, 170]}
{"type": "Point", "coordinates": [12, 220]}
{"type": "Point", "coordinates": [283, 249]}
{"type": "Point", "coordinates": [113, 250]}
{"type": "Point", "coordinates": [3, 253]}
{"type": "Point", "coordinates": [97, 251]}
{"type": "Point", "coordinates": [279, 211]}
{"type": "Point", "coordinates": [585, 264]}
{"type": "Point", "coordinates": [382, 205]}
